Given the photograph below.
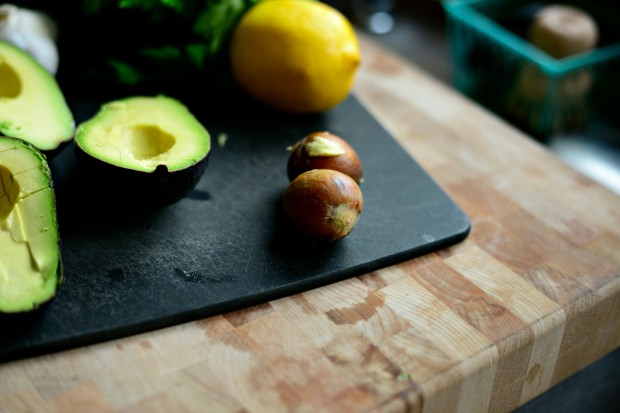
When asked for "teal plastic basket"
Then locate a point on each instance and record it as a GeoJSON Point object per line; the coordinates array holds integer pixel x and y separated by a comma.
{"type": "Point", "coordinates": [494, 64]}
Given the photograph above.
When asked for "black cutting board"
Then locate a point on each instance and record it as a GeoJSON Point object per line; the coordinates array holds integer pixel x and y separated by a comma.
{"type": "Point", "coordinates": [226, 245]}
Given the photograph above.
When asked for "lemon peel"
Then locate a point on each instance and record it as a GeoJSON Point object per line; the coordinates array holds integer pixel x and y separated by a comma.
{"type": "Point", "coordinates": [295, 55]}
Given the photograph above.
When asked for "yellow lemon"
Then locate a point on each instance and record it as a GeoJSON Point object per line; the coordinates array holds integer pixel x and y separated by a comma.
{"type": "Point", "coordinates": [295, 55]}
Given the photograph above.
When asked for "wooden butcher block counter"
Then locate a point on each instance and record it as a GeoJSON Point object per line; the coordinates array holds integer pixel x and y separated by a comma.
{"type": "Point", "coordinates": [531, 296]}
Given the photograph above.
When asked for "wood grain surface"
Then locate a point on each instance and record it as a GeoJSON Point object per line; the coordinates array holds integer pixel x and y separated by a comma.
{"type": "Point", "coordinates": [529, 298]}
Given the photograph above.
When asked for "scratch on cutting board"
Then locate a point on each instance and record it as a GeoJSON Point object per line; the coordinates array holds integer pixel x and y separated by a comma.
{"type": "Point", "coordinates": [247, 264]}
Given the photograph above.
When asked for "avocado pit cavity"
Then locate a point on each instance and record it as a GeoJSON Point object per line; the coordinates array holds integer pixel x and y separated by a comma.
{"type": "Point", "coordinates": [9, 191]}
{"type": "Point", "coordinates": [147, 142]}
{"type": "Point", "coordinates": [10, 83]}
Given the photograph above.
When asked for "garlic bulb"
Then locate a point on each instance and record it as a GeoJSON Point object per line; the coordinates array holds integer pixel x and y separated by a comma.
{"type": "Point", "coordinates": [32, 32]}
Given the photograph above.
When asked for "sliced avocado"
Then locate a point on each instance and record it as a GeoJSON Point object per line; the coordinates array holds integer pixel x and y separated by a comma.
{"type": "Point", "coordinates": [30, 262]}
{"type": "Point", "coordinates": [32, 106]}
{"type": "Point", "coordinates": [150, 150]}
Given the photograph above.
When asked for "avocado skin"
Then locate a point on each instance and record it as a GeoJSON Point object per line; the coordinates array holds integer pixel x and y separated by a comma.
{"type": "Point", "coordinates": [114, 186]}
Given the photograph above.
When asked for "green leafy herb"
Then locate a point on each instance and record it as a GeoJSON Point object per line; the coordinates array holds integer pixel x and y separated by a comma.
{"type": "Point", "coordinates": [125, 73]}
{"type": "Point", "coordinates": [150, 43]}
{"type": "Point", "coordinates": [162, 53]}
{"type": "Point", "coordinates": [215, 22]}
{"type": "Point", "coordinates": [198, 53]}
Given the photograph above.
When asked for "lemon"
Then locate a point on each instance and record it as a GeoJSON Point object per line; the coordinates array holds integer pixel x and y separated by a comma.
{"type": "Point", "coordinates": [295, 55]}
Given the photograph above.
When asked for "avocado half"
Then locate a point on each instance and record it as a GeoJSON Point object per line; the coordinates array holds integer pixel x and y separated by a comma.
{"type": "Point", "coordinates": [150, 151]}
{"type": "Point", "coordinates": [32, 106]}
{"type": "Point", "coordinates": [30, 261]}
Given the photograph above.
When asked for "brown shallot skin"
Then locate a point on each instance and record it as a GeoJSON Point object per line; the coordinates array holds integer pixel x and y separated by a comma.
{"type": "Point", "coordinates": [324, 150]}
{"type": "Point", "coordinates": [323, 204]}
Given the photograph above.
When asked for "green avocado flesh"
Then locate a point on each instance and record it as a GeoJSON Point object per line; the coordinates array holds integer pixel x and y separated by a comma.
{"type": "Point", "coordinates": [143, 133]}
{"type": "Point", "coordinates": [30, 266]}
{"type": "Point", "coordinates": [32, 106]}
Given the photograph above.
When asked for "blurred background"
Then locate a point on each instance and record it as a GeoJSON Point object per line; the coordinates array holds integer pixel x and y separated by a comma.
{"type": "Point", "coordinates": [418, 31]}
